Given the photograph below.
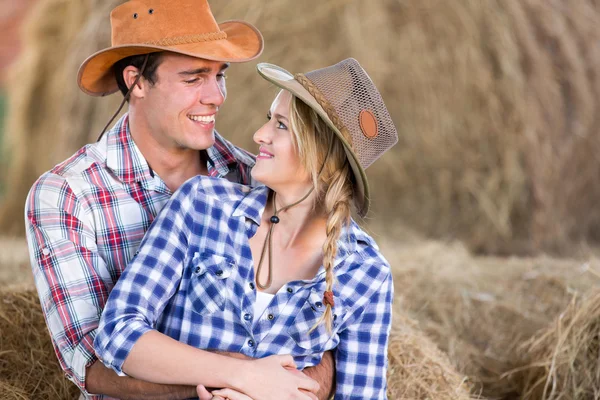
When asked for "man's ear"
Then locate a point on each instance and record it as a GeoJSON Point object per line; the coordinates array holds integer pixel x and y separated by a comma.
{"type": "Point", "coordinates": [130, 74]}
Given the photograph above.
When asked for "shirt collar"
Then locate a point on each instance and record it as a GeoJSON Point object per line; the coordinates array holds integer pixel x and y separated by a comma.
{"type": "Point", "coordinates": [123, 156]}
{"type": "Point", "coordinates": [253, 204]}
{"type": "Point", "coordinates": [224, 157]}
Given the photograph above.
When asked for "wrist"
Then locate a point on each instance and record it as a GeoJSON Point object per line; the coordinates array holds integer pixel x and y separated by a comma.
{"type": "Point", "coordinates": [240, 381]}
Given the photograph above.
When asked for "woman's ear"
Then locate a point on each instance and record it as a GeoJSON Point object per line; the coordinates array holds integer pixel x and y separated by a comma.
{"type": "Point", "coordinates": [130, 74]}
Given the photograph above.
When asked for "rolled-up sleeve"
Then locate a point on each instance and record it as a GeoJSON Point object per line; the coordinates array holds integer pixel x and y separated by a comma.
{"type": "Point", "coordinates": [66, 269]}
{"type": "Point", "coordinates": [361, 356]}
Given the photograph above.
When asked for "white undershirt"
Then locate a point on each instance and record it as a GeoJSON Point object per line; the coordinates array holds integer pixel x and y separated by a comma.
{"type": "Point", "coordinates": [262, 302]}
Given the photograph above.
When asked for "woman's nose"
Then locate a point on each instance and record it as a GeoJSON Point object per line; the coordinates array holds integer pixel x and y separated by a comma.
{"type": "Point", "coordinates": [262, 134]}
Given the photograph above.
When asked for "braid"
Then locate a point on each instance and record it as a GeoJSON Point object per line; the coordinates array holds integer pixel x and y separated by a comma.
{"type": "Point", "coordinates": [324, 155]}
{"type": "Point", "coordinates": [337, 206]}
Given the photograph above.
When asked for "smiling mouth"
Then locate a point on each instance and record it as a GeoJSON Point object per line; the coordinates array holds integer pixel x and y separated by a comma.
{"type": "Point", "coordinates": [263, 154]}
{"type": "Point", "coordinates": [205, 119]}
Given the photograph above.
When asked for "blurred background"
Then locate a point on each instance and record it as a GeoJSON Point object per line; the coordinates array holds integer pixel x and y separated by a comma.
{"type": "Point", "coordinates": [488, 204]}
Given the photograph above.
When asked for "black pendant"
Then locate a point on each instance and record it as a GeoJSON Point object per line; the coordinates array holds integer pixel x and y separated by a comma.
{"type": "Point", "coordinates": [274, 219]}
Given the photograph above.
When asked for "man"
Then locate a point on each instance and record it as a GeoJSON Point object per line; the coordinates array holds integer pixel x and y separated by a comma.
{"type": "Point", "coordinates": [86, 217]}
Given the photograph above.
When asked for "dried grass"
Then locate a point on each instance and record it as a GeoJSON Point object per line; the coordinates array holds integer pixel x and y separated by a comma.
{"type": "Point", "coordinates": [565, 357]}
{"type": "Point", "coordinates": [29, 369]}
{"type": "Point", "coordinates": [480, 310]}
{"type": "Point", "coordinates": [418, 369]}
{"type": "Point", "coordinates": [28, 366]}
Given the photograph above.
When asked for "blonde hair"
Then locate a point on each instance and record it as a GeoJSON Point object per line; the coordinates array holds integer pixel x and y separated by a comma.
{"type": "Point", "coordinates": [332, 181]}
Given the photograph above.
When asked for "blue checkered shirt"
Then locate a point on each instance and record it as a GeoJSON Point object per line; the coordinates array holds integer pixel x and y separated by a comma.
{"type": "Point", "coordinates": [192, 280]}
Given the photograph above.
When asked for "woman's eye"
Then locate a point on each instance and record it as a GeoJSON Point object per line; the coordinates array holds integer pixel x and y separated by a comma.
{"type": "Point", "coordinates": [281, 125]}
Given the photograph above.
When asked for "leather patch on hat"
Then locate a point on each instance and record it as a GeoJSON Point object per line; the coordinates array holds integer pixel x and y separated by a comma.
{"type": "Point", "coordinates": [368, 124]}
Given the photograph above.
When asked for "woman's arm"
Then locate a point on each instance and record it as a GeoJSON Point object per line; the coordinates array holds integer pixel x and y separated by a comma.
{"type": "Point", "coordinates": [127, 342]}
{"type": "Point", "coordinates": [161, 359]}
{"type": "Point", "coordinates": [361, 355]}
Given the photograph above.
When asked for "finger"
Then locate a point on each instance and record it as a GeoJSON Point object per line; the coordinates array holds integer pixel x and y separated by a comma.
{"type": "Point", "coordinates": [311, 395]}
{"type": "Point", "coordinates": [231, 394]}
{"type": "Point", "coordinates": [202, 393]}
{"type": "Point", "coordinates": [308, 384]}
{"type": "Point", "coordinates": [287, 361]}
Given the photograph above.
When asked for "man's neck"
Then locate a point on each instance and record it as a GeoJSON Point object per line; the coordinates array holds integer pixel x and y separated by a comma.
{"type": "Point", "coordinates": [174, 165]}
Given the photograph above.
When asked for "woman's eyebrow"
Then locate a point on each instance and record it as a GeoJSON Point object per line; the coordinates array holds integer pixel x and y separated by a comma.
{"type": "Point", "coordinates": [279, 116]}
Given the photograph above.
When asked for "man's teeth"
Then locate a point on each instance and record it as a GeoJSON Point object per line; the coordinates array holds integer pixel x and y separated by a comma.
{"type": "Point", "coordinates": [202, 118]}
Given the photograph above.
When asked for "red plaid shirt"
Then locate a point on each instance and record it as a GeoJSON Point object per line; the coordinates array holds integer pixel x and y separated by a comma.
{"type": "Point", "coordinates": [85, 219]}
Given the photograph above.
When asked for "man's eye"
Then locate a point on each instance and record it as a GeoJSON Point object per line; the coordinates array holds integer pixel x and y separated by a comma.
{"type": "Point", "coordinates": [222, 76]}
{"type": "Point", "coordinates": [192, 80]}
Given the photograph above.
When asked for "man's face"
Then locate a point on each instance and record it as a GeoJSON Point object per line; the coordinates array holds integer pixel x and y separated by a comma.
{"type": "Point", "coordinates": [180, 108]}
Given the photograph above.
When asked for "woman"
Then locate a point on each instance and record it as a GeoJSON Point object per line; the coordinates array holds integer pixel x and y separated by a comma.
{"type": "Point", "coordinates": [275, 269]}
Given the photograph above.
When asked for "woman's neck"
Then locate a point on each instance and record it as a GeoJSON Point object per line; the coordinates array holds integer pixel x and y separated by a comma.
{"type": "Point", "coordinates": [298, 225]}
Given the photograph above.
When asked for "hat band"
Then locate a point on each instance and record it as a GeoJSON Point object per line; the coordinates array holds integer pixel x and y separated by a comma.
{"type": "Point", "coordinates": [187, 39]}
{"type": "Point", "coordinates": [323, 102]}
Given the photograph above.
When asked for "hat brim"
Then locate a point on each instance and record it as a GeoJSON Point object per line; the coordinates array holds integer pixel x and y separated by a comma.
{"type": "Point", "coordinates": [244, 43]}
{"type": "Point", "coordinates": [285, 80]}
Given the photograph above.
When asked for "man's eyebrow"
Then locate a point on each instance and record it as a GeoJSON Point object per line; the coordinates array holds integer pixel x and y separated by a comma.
{"type": "Point", "coordinates": [203, 70]}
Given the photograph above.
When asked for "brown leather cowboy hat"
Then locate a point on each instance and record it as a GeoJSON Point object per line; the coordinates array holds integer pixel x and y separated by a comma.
{"type": "Point", "coordinates": [180, 26]}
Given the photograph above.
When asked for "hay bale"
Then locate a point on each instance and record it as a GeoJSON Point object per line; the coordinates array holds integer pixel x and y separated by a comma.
{"type": "Point", "coordinates": [480, 310]}
{"type": "Point", "coordinates": [494, 101]}
{"type": "Point", "coordinates": [29, 368]}
{"type": "Point", "coordinates": [564, 359]}
{"type": "Point", "coordinates": [418, 370]}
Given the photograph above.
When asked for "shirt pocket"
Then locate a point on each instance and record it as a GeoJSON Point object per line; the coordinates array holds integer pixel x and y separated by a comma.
{"type": "Point", "coordinates": [307, 316]}
{"type": "Point", "coordinates": [207, 290]}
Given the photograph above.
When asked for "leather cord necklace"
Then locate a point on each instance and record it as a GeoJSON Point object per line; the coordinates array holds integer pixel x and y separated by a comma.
{"type": "Point", "coordinates": [274, 221]}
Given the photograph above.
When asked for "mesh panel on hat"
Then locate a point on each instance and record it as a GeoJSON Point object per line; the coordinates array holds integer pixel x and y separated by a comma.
{"type": "Point", "coordinates": [349, 90]}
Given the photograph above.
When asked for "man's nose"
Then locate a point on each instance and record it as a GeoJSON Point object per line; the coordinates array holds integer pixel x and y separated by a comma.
{"type": "Point", "coordinates": [213, 93]}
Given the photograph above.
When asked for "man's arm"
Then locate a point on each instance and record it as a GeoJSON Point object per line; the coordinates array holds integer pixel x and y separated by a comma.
{"type": "Point", "coordinates": [100, 379]}
{"type": "Point", "coordinates": [324, 374]}
{"type": "Point", "coordinates": [70, 278]}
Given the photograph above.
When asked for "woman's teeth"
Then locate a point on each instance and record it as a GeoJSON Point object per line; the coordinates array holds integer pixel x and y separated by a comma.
{"type": "Point", "coordinates": [261, 154]}
{"type": "Point", "coordinates": [202, 118]}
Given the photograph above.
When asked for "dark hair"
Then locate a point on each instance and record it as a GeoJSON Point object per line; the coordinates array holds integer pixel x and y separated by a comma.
{"type": "Point", "coordinates": [137, 61]}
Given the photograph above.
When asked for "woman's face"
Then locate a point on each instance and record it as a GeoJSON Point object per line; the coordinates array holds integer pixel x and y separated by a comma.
{"type": "Point", "coordinates": [278, 164]}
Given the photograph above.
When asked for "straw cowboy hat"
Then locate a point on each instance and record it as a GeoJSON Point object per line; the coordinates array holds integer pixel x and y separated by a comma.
{"type": "Point", "coordinates": [180, 26]}
{"type": "Point", "coordinates": [348, 101]}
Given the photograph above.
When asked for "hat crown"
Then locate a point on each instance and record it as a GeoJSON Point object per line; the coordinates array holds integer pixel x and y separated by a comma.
{"type": "Point", "coordinates": [353, 96]}
{"type": "Point", "coordinates": [154, 21]}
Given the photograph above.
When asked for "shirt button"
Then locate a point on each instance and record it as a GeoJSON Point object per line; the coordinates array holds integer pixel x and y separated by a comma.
{"type": "Point", "coordinates": [290, 290]}
{"type": "Point", "coordinates": [251, 285]}
{"type": "Point", "coordinates": [45, 251]}
{"type": "Point", "coordinates": [247, 317]}
{"type": "Point", "coordinates": [319, 304]}
{"type": "Point", "coordinates": [219, 272]}
{"type": "Point", "coordinates": [270, 317]}
{"type": "Point", "coordinates": [197, 270]}
{"type": "Point", "coordinates": [251, 343]}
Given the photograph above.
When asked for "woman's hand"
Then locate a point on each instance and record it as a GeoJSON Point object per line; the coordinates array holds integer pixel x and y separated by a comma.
{"type": "Point", "coordinates": [276, 378]}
